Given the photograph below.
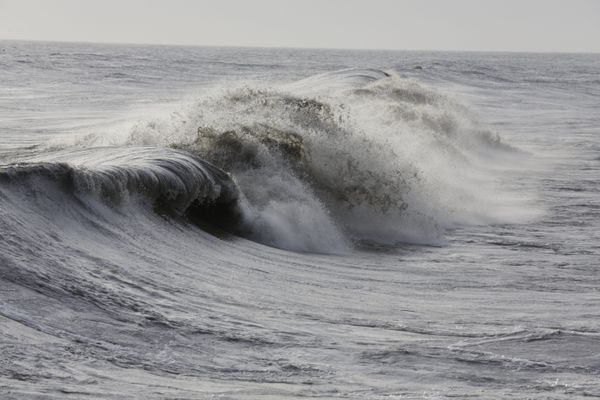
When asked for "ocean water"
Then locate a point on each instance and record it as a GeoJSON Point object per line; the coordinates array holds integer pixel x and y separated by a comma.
{"type": "Point", "coordinates": [241, 223]}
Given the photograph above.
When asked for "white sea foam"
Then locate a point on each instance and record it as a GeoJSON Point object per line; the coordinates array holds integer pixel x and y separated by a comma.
{"type": "Point", "coordinates": [376, 157]}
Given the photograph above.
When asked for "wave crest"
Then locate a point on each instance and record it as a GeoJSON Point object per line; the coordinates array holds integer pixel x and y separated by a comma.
{"type": "Point", "coordinates": [367, 154]}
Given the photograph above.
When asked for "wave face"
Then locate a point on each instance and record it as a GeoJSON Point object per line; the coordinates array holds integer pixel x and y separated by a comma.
{"type": "Point", "coordinates": [349, 156]}
{"type": "Point", "coordinates": [169, 180]}
{"type": "Point", "coordinates": [165, 181]}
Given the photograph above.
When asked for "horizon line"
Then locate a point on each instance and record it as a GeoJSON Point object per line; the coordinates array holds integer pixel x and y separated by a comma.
{"type": "Point", "coordinates": [299, 47]}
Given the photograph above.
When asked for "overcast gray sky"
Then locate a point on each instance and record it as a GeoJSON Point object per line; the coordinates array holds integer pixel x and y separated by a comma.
{"type": "Point", "coordinates": [493, 25]}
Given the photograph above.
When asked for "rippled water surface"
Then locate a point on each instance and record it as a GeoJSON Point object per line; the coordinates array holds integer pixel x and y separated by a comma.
{"type": "Point", "coordinates": [187, 222]}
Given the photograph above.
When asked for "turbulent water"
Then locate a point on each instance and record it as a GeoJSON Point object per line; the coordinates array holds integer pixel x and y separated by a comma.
{"type": "Point", "coordinates": [182, 222]}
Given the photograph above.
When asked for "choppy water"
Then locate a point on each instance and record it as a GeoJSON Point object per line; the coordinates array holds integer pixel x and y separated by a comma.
{"type": "Point", "coordinates": [181, 222]}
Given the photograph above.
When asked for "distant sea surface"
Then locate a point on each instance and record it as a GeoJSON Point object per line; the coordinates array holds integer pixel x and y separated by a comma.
{"type": "Point", "coordinates": [241, 223]}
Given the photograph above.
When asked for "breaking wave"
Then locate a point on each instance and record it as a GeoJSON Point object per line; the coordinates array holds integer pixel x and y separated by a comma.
{"type": "Point", "coordinates": [353, 156]}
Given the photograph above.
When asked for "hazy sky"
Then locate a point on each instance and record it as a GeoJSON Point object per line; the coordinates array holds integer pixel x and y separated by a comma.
{"type": "Point", "coordinates": [513, 25]}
